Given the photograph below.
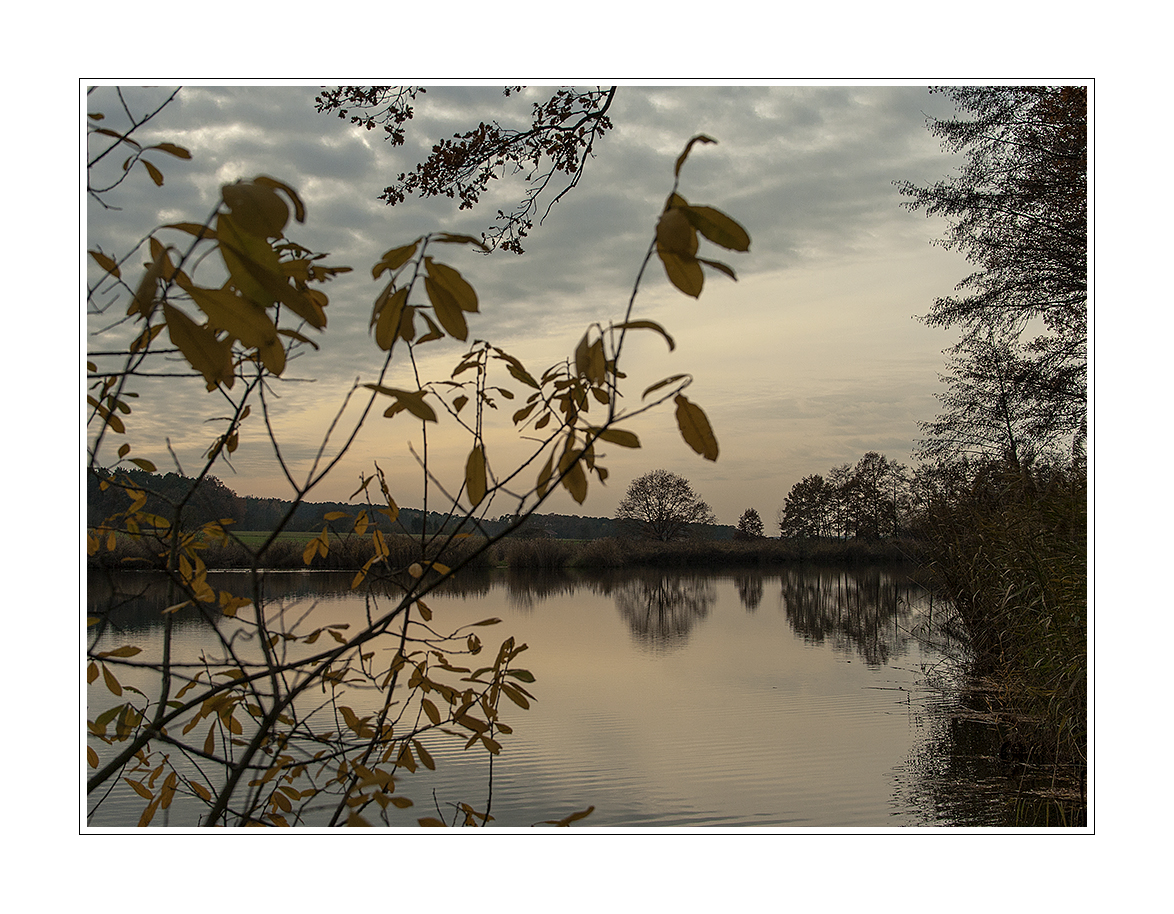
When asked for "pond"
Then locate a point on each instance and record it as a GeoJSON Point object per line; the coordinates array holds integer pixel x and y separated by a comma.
{"type": "Point", "coordinates": [781, 698]}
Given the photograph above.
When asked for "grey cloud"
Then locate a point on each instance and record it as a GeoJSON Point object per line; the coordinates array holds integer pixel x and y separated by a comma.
{"type": "Point", "coordinates": [808, 171]}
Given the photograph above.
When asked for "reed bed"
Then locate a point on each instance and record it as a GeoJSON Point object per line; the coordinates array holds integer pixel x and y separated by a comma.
{"type": "Point", "coordinates": [348, 553]}
{"type": "Point", "coordinates": [1011, 556]}
{"type": "Point", "coordinates": [534, 553]}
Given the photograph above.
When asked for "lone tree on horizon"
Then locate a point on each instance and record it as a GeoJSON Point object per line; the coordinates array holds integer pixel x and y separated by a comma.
{"type": "Point", "coordinates": [749, 526]}
{"type": "Point", "coordinates": [661, 505]}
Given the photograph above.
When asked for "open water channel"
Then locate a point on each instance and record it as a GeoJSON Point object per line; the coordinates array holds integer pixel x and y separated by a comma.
{"type": "Point", "coordinates": [784, 698]}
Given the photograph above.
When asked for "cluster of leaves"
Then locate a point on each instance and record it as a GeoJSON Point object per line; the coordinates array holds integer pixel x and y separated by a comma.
{"type": "Point", "coordinates": [389, 106]}
{"type": "Point", "coordinates": [676, 236]}
{"type": "Point", "coordinates": [559, 141]}
{"type": "Point", "coordinates": [270, 754]}
{"type": "Point", "coordinates": [121, 140]}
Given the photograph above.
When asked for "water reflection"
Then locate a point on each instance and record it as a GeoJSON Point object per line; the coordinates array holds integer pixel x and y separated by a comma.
{"type": "Point", "coordinates": [661, 609]}
{"type": "Point", "coordinates": [837, 751]}
{"type": "Point", "coordinates": [750, 588]}
{"type": "Point", "coordinates": [857, 611]}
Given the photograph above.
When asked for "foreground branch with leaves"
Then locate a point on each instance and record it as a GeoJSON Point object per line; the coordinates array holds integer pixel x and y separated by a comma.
{"type": "Point", "coordinates": [296, 721]}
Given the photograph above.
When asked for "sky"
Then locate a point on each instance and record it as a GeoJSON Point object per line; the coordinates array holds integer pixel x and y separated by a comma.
{"type": "Point", "coordinates": [812, 358]}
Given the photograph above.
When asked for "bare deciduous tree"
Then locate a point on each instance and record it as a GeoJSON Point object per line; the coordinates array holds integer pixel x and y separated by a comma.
{"type": "Point", "coordinates": [662, 505]}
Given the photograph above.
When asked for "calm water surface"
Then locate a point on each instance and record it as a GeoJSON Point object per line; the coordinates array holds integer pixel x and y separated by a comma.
{"type": "Point", "coordinates": [776, 699]}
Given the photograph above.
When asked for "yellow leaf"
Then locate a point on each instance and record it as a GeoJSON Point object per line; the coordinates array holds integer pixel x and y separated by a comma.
{"type": "Point", "coordinates": [140, 789]}
{"type": "Point", "coordinates": [91, 757]}
{"type": "Point", "coordinates": [168, 791]}
{"type": "Point", "coordinates": [573, 817]}
{"type": "Point", "coordinates": [718, 227]}
{"type": "Point", "coordinates": [381, 550]}
{"type": "Point", "coordinates": [475, 479]}
{"type": "Point", "coordinates": [111, 682]}
{"type": "Point", "coordinates": [683, 272]}
{"type": "Point", "coordinates": [515, 695]}
{"type": "Point", "coordinates": [695, 428]}
{"type": "Point", "coordinates": [237, 246]}
{"type": "Point", "coordinates": [430, 710]}
{"type": "Point", "coordinates": [617, 436]}
{"type": "Point", "coordinates": [91, 672]}
{"type": "Point", "coordinates": [675, 234]}
{"type": "Point", "coordinates": [431, 822]}
{"type": "Point", "coordinates": [155, 173]}
{"type": "Point", "coordinates": [226, 310]}
{"type": "Point", "coordinates": [446, 238]}
{"type": "Point", "coordinates": [389, 319]}
{"type": "Point", "coordinates": [256, 208]}
{"type": "Point", "coordinates": [106, 263]}
{"type": "Point", "coordinates": [412, 401]}
{"type": "Point", "coordinates": [575, 481]}
{"type": "Point", "coordinates": [144, 298]}
{"type": "Point", "coordinates": [210, 740]}
{"type": "Point", "coordinates": [700, 138]}
{"type": "Point", "coordinates": [299, 207]}
{"type": "Point", "coordinates": [193, 228]}
{"type": "Point", "coordinates": [405, 759]}
{"type": "Point", "coordinates": [124, 651]}
{"type": "Point", "coordinates": [148, 813]}
{"type": "Point", "coordinates": [401, 802]}
{"type": "Point", "coordinates": [718, 265]}
{"type": "Point", "coordinates": [422, 754]}
{"type": "Point", "coordinates": [171, 149]}
{"type": "Point", "coordinates": [208, 355]}
{"type": "Point", "coordinates": [394, 259]}
{"type": "Point", "coordinates": [649, 325]}
{"type": "Point", "coordinates": [357, 821]}
{"type": "Point", "coordinates": [201, 791]}
{"type": "Point", "coordinates": [446, 308]}
{"type": "Point", "coordinates": [454, 283]}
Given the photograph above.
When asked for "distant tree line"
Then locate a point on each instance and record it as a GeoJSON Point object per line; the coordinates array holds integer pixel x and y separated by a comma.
{"type": "Point", "coordinates": [869, 501]}
{"type": "Point", "coordinates": [213, 501]}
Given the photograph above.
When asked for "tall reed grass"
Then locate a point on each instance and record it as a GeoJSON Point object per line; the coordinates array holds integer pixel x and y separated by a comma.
{"type": "Point", "coordinates": [536, 553]}
{"type": "Point", "coordinates": [345, 554]}
{"type": "Point", "coordinates": [1011, 555]}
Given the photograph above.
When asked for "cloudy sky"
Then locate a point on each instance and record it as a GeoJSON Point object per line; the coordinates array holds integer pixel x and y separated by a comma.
{"type": "Point", "coordinates": [811, 359]}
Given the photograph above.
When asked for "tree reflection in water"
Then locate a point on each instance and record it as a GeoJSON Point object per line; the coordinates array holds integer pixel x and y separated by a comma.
{"type": "Point", "coordinates": [855, 610]}
{"type": "Point", "coordinates": [528, 588]}
{"type": "Point", "coordinates": [661, 609]}
{"type": "Point", "coordinates": [749, 585]}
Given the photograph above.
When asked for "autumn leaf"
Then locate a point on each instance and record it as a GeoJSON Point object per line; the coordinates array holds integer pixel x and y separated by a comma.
{"type": "Point", "coordinates": [683, 271]}
{"type": "Point", "coordinates": [448, 311]}
{"type": "Point", "coordinates": [394, 259]}
{"type": "Point", "coordinates": [475, 479]}
{"type": "Point", "coordinates": [454, 283]}
{"type": "Point", "coordinates": [617, 436]}
{"type": "Point", "coordinates": [208, 355]}
{"type": "Point", "coordinates": [695, 428]}
{"type": "Point", "coordinates": [718, 227]}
